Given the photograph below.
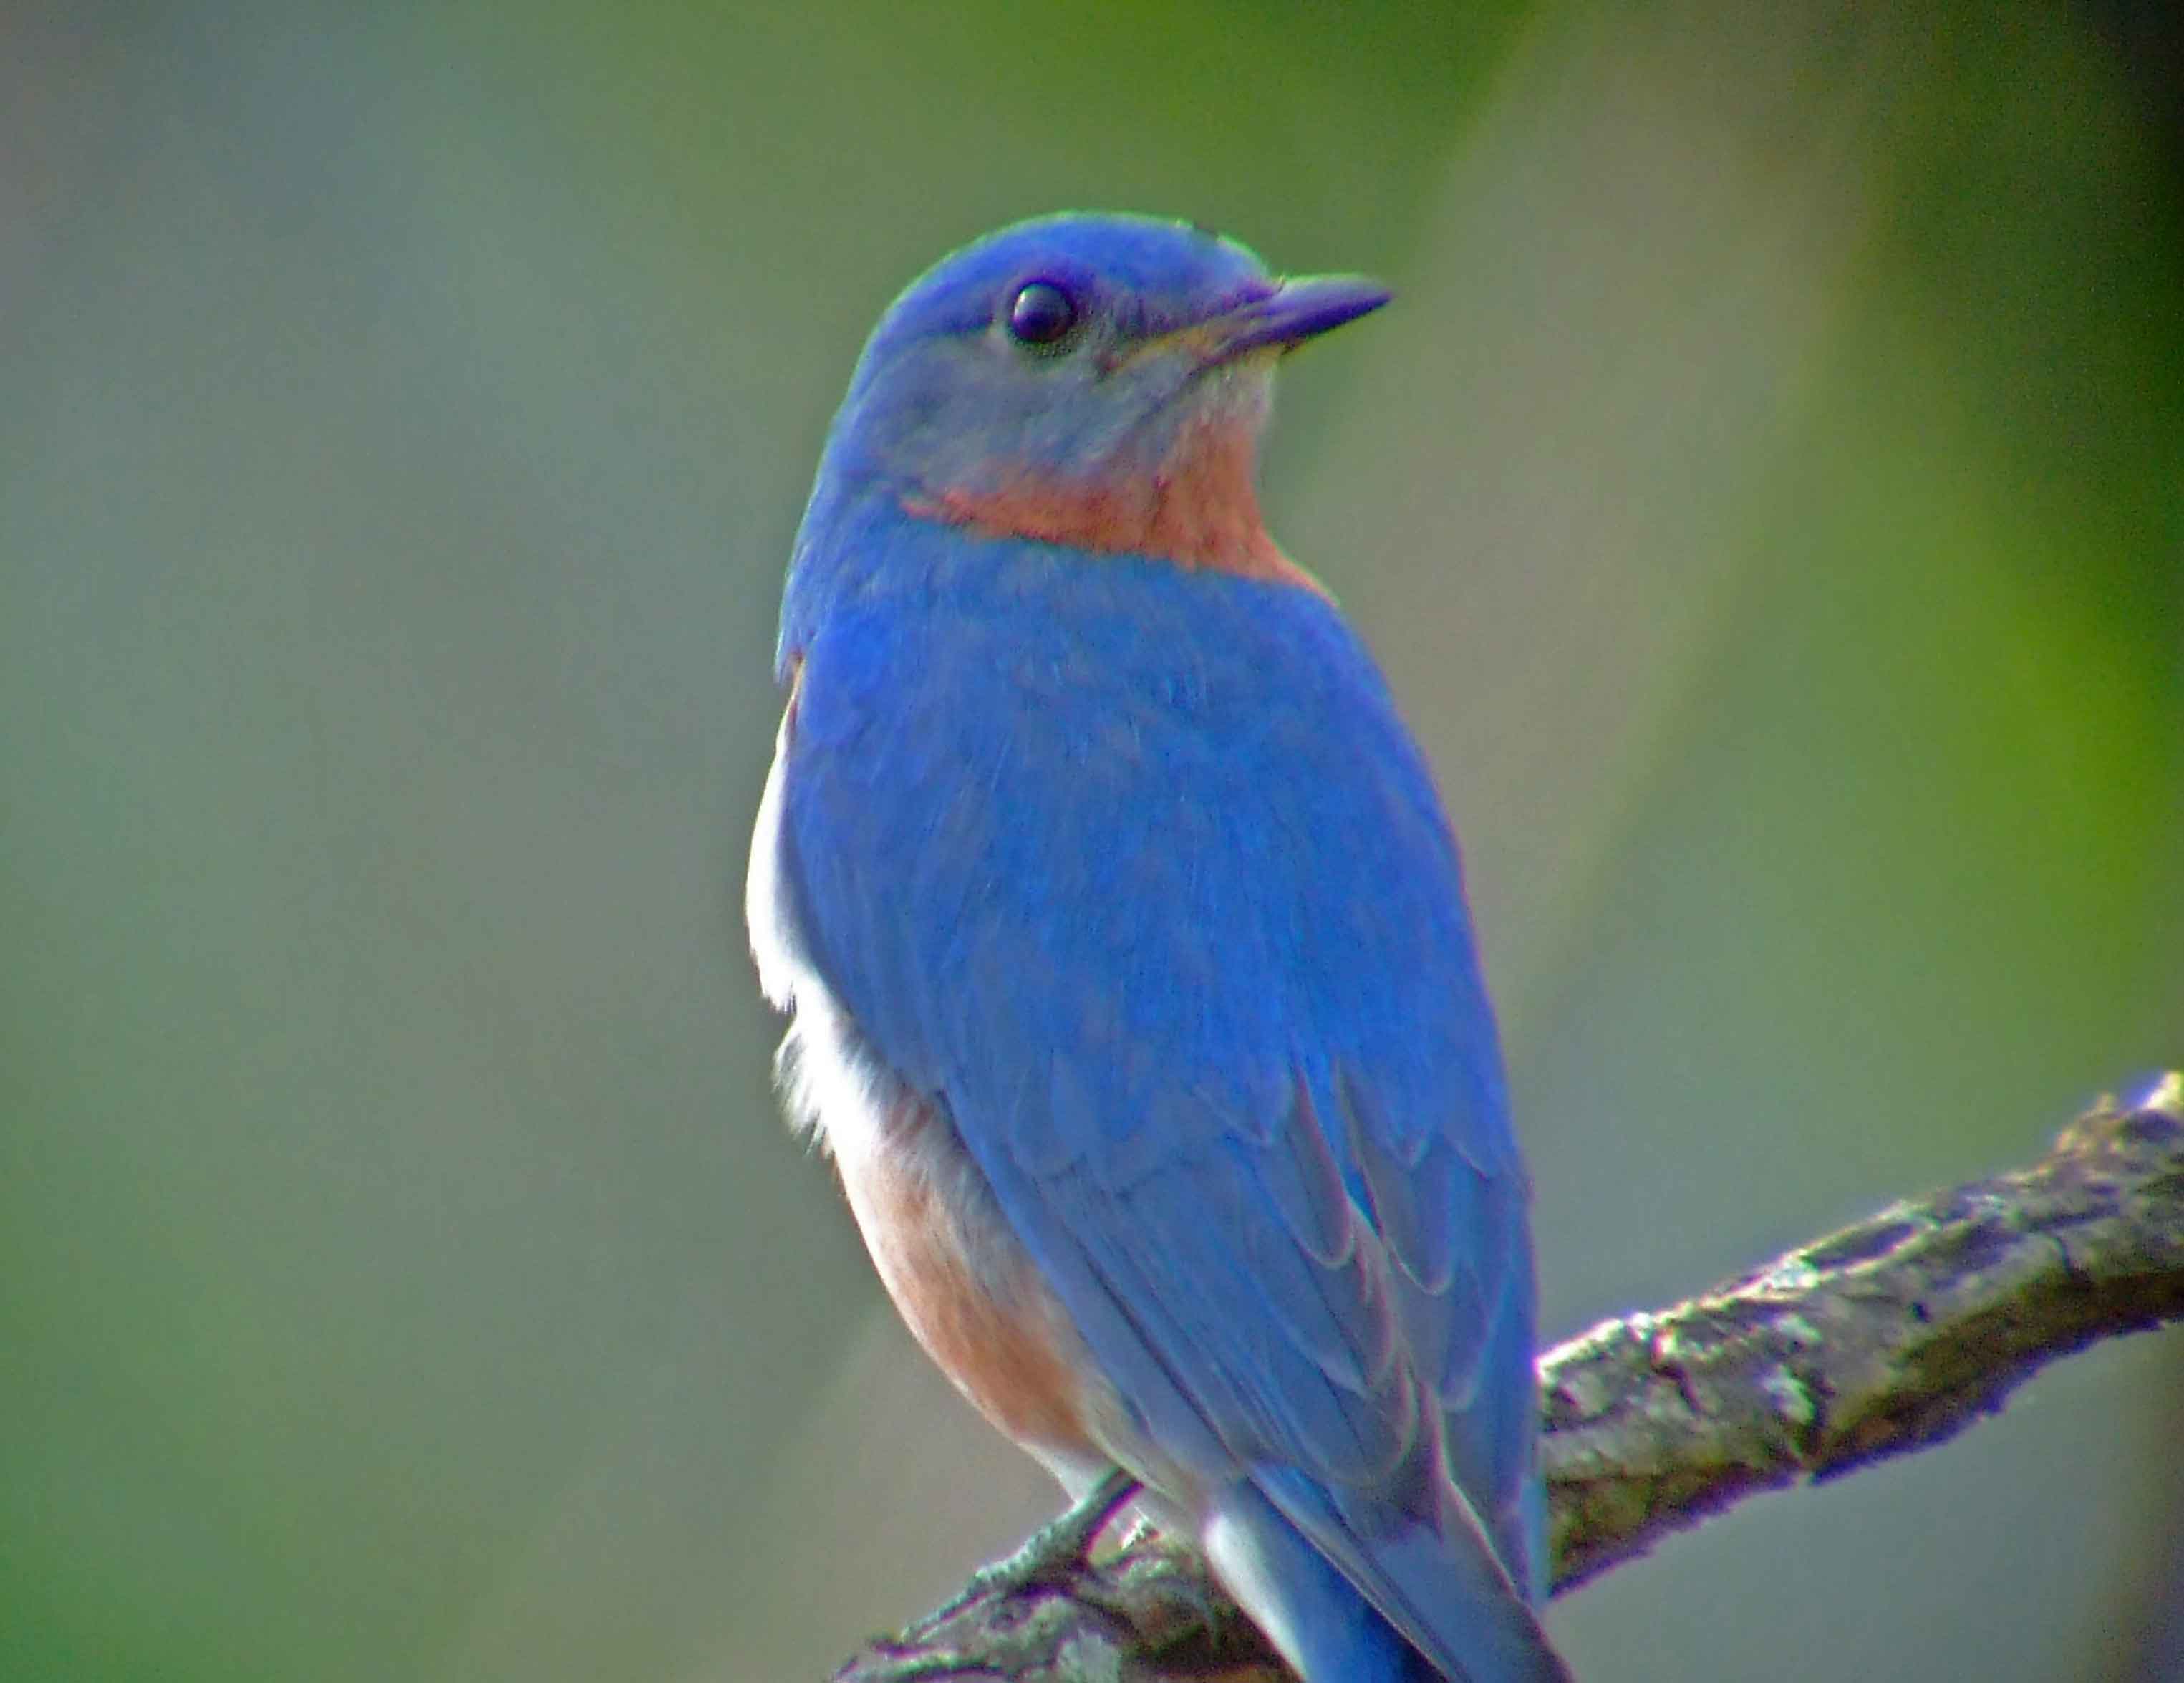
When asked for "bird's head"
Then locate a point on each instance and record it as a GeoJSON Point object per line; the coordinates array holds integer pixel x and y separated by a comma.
{"type": "Point", "coordinates": [1090, 380]}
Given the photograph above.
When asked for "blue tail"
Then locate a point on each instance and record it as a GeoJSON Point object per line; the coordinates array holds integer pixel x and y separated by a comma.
{"type": "Point", "coordinates": [1438, 1607]}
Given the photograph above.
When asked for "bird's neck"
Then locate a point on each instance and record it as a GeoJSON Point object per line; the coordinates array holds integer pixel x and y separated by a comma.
{"type": "Point", "coordinates": [1194, 503]}
{"type": "Point", "coordinates": [872, 535]}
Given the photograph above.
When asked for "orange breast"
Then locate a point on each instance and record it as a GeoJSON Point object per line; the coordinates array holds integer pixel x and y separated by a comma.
{"type": "Point", "coordinates": [1197, 507]}
{"type": "Point", "coordinates": [990, 1323]}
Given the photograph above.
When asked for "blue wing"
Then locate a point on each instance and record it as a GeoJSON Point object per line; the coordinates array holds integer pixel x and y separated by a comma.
{"type": "Point", "coordinates": [1136, 873]}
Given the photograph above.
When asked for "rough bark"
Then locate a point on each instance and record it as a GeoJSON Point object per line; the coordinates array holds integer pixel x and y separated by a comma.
{"type": "Point", "coordinates": [1892, 1334]}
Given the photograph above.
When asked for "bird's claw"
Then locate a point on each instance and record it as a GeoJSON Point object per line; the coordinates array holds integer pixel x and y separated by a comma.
{"type": "Point", "coordinates": [1142, 1530]}
{"type": "Point", "coordinates": [1053, 1554]}
{"type": "Point", "coordinates": [1057, 1552]}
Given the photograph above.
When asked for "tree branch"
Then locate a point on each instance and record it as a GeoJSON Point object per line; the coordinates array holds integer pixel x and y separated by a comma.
{"type": "Point", "coordinates": [1890, 1336]}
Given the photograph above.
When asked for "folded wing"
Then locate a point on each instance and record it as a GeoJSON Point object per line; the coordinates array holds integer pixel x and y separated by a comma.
{"type": "Point", "coordinates": [1164, 913]}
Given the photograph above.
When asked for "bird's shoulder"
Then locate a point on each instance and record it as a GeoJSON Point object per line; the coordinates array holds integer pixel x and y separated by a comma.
{"type": "Point", "coordinates": [1143, 821]}
{"type": "Point", "coordinates": [1055, 724]}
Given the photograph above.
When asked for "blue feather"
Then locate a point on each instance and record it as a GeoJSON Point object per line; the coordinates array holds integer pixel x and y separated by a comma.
{"type": "Point", "coordinates": [1135, 872]}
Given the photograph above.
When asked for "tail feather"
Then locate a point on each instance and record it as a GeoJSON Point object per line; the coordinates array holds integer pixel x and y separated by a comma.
{"type": "Point", "coordinates": [1405, 1603]}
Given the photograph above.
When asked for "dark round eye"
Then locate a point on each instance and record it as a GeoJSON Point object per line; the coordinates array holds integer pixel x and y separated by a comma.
{"type": "Point", "coordinates": [1040, 313]}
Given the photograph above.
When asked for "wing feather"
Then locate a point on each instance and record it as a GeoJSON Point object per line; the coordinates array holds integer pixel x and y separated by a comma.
{"type": "Point", "coordinates": [1148, 888]}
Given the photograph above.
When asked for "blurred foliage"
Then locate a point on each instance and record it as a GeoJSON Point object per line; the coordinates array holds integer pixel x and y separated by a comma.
{"type": "Point", "coordinates": [1768, 497]}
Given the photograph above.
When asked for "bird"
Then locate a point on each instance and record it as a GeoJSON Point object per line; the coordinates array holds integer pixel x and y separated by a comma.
{"type": "Point", "coordinates": [1133, 987]}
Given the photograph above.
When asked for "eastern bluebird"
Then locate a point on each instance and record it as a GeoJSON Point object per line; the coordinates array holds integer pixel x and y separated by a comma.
{"type": "Point", "coordinates": [1135, 991]}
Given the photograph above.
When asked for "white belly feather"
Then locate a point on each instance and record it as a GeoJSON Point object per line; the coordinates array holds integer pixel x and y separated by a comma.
{"type": "Point", "coordinates": [827, 1079]}
{"type": "Point", "coordinates": [855, 1106]}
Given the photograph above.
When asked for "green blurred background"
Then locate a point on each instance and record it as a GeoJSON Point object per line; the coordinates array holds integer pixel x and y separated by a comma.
{"type": "Point", "coordinates": [1767, 496]}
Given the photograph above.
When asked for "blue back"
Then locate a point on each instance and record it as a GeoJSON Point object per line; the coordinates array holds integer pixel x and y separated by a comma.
{"type": "Point", "coordinates": [1137, 873]}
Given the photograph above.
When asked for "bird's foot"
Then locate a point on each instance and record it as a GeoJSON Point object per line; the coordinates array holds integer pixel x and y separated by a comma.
{"type": "Point", "coordinates": [1054, 1554]}
{"type": "Point", "coordinates": [1056, 1551]}
{"type": "Point", "coordinates": [1142, 1530]}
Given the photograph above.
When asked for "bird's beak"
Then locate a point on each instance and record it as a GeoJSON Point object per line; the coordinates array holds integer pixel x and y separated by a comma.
{"type": "Point", "coordinates": [1294, 311]}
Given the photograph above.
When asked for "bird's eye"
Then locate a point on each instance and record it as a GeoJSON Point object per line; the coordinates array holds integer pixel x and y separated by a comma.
{"type": "Point", "coordinates": [1040, 313]}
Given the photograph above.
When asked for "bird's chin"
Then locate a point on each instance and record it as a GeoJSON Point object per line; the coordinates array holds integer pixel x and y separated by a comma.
{"type": "Point", "coordinates": [1245, 382]}
{"type": "Point", "coordinates": [1196, 399]}
{"type": "Point", "coordinates": [1225, 401]}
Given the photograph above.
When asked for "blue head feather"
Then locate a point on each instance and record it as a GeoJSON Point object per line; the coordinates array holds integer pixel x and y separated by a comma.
{"type": "Point", "coordinates": [942, 385]}
{"type": "Point", "coordinates": [1133, 429]}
